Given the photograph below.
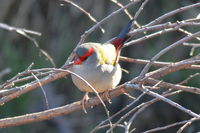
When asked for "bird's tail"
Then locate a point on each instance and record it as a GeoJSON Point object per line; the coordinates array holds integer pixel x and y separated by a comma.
{"type": "Point", "coordinates": [118, 42]}
{"type": "Point", "coordinates": [122, 37]}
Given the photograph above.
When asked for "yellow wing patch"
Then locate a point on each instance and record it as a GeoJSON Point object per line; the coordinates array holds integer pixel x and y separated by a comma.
{"type": "Point", "coordinates": [103, 56]}
{"type": "Point", "coordinates": [108, 54]}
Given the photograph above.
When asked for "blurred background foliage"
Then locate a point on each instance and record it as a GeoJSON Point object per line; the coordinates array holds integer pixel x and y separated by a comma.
{"type": "Point", "coordinates": [61, 28]}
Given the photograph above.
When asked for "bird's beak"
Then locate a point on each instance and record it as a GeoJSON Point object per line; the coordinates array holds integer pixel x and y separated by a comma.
{"type": "Point", "coordinates": [75, 59]}
{"type": "Point", "coordinates": [72, 59]}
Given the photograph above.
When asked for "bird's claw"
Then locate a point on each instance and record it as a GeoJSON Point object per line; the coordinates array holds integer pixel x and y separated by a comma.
{"type": "Point", "coordinates": [106, 94]}
{"type": "Point", "coordinates": [84, 100]}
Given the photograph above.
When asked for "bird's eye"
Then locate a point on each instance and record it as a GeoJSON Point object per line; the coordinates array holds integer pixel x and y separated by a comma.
{"type": "Point", "coordinates": [81, 58]}
{"type": "Point", "coordinates": [86, 57]}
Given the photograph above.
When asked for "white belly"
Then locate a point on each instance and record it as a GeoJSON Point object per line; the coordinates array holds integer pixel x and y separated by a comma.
{"type": "Point", "coordinates": [101, 78]}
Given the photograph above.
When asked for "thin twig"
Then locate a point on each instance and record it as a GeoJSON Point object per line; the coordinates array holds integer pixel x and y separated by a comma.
{"type": "Point", "coordinates": [163, 51]}
{"type": "Point", "coordinates": [138, 13]}
{"type": "Point", "coordinates": [15, 77]}
{"type": "Point", "coordinates": [25, 33]}
{"type": "Point", "coordinates": [173, 86]}
{"type": "Point", "coordinates": [155, 74]}
{"type": "Point", "coordinates": [86, 33]}
{"type": "Point", "coordinates": [6, 92]}
{"type": "Point", "coordinates": [140, 9]}
{"type": "Point", "coordinates": [44, 115]}
{"type": "Point", "coordinates": [189, 78]}
{"type": "Point", "coordinates": [127, 114]}
{"type": "Point", "coordinates": [176, 66]}
{"type": "Point", "coordinates": [105, 19]}
{"type": "Point", "coordinates": [41, 50]}
{"type": "Point", "coordinates": [85, 12]}
{"type": "Point", "coordinates": [165, 28]}
{"type": "Point", "coordinates": [21, 31]}
{"type": "Point", "coordinates": [142, 105]}
{"type": "Point", "coordinates": [189, 122]}
{"type": "Point", "coordinates": [93, 89]}
{"type": "Point", "coordinates": [155, 63]}
{"type": "Point", "coordinates": [169, 14]}
{"type": "Point", "coordinates": [119, 112]}
{"type": "Point", "coordinates": [166, 25]}
{"type": "Point", "coordinates": [176, 105]}
{"type": "Point", "coordinates": [169, 126]}
{"type": "Point", "coordinates": [146, 37]}
{"type": "Point", "coordinates": [120, 5]}
{"type": "Point", "coordinates": [43, 91]}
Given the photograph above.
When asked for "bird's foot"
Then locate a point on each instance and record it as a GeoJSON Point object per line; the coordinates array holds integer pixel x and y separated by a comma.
{"type": "Point", "coordinates": [85, 99]}
{"type": "Point", "coordinates": [106, 94]}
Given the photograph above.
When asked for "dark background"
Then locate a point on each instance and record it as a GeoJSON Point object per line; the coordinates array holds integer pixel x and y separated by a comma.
{"type": "Point", "coordinates": [61, 28]}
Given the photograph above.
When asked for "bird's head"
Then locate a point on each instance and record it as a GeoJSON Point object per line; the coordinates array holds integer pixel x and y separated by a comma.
{"type": "Point", "coordinates": [81, 54]}
{"type": "Point", "coordinates": [94, 53]}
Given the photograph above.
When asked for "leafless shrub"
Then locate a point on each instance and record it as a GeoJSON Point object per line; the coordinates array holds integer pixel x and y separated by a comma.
{"type": "Point", "coordinates": [146, 82]}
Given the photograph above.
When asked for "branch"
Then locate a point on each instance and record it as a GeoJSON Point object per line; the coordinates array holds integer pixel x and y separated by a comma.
{"type": "Point", "coordinates": [151, 93]}
{"type": "Point", "coordinates": [26, 88]}
{"type": "Point", "coordinates": [173, 86]}
{"type": "Point", "coordinates": [125, 10]}
{"type": "Point", "coordinates": [163, 51]}
{"type": "Point", "coordinates": [155, 63]}
{"type": "Point", "coordinates": [63, 110]}
{"type": "Point", "coordinates": [85, 12]}
{"type": "Point", "coordinates": [169, 14]}
{"type": "Point", "coordinates": [165, 28]}
{"type": "Point", "coordinates": [170, 125]}
{"type": "Point", "coordinates": [24, 119]}
{"type": "Point", "coordinates": [172, 68]}
{"type": "Point", "coordinates": [86, 33]}
{"type": "Point", "coordinates": [137, 83]}
{"type": "Point", "coordinates": [25, 33]}
{"type": "Point", "coordinates": [21, 31]}
{"type": "Point", "coordinates": [189, 122]}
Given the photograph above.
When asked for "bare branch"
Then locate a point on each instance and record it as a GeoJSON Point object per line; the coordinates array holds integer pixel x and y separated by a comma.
{"type": "Point", "coordinates": [43, 91]}
{"type": "Point", "coordinates": [169, 14]}
{"type": "Point", "coordinates": [146, 82]}
{"type": "Point", "coordinates": [6, 92]}
{"type": "Point", "coordinates": [25, 33]}
{"type": "Point", "coordinates": [187, 38]}
{"type": "Point", "coordinates": [173, 86]}
{"type": "Point", "coordinates": [176, 105]}
{"type": "Point", "coordinates": [166, 27]}
{"type": "Point", "coordinates": [120, 5]}
{"type": "Point", "coordinates": [140, 9]}
{"type": "Point", "coordinates": [19, 30]}
{"type": "Point", "coordinates": [189, 78]}
{"type": "Point", "coordinates": [172, 68]}
{"type": "Point", "coordinates": [155, 63]}
{"type": "Point", "coordinates": [127, 114]}
{"type": "Point", "coordinates": [123, 109]}
{"type": "Point", "coordinates": [189, 122]}
{"type": "Point", "coordinates": [86, 33]}
{"type": "Point", "coordinates": [170, 125]}
{"type": "Point", "coordinates": [85, 12]}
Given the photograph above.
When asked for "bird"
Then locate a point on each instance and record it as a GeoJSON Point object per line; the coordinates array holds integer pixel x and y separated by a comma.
{"type": "Point", "coordinates": [98, 64]}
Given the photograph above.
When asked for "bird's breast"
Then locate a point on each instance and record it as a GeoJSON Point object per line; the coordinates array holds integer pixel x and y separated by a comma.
{"type": "Point", "coordinates": [101, 77]}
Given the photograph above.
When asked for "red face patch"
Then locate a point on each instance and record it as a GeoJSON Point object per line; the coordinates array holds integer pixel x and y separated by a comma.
{"type": "Point", "coordinates": [82, 58]}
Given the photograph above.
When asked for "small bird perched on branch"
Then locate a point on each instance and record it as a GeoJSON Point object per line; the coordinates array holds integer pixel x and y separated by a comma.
{"type": "Point", "coordinates": [98, 64]}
